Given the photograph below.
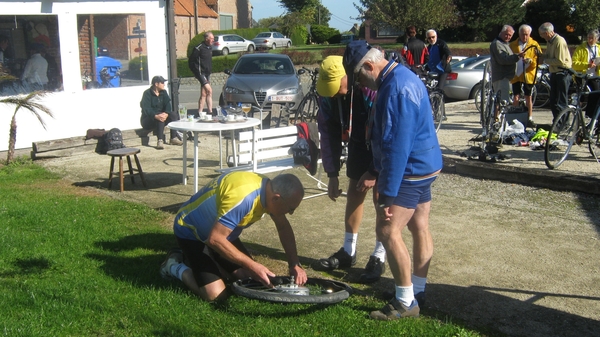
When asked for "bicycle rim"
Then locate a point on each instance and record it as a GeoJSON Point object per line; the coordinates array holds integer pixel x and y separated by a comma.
{"type": "Point", "coordinates": [594, 143]}
{"type": "Point", "coordinates": [565, 127]}
{"type": "Point", "coordinates": [437, 109]}
{"type": "Point", "coordinates": [543, 95]}
{"type": "Point", "coordinates": [321, 291]}
{"type": "Point", "coordinates": [488, 120]}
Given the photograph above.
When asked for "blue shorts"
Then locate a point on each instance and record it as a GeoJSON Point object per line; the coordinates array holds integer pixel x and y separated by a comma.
{"type": "Point", "coordinates": [412, 194]}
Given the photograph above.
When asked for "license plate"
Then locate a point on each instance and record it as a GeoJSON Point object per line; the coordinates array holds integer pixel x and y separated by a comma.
{"type": "Point", "coordinates": [281, 98]}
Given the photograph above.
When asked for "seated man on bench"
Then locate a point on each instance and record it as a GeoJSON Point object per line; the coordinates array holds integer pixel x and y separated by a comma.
{"type": "Point", "coordinates": [157, 112]}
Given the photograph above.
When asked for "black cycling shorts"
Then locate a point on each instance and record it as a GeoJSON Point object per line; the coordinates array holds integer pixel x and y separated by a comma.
{"type": "Point", "coordinates": [359, 160]}
{"type": "Point", "coordinates": [205, 262]}
{"type": "Point", "coordinates": [521, 88]}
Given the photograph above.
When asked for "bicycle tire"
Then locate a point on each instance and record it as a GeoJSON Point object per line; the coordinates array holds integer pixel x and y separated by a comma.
{"type": "Point", "coordinates": [334, 292]}
{"type": "Point", "coordinates": [543, 95]}
{"type": "Point", "coordinates": [594, 143]}
{"type": "Point", "coordinates": [486, 86]}
{"type": "Point", "coordinates": [565, 127]}
{"type": "Point", "coordinates": [436, 98]}
{"type": "Point", "coordinates": [307, 109]}
{"type": "Point", "coordinates": [487, 119]}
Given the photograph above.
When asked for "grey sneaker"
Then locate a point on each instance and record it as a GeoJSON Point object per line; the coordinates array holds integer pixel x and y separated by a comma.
{"type": "Point", "coordinates": [176, 141]}
{"type": "Point", "coordinates": [160, 145]}
{"type": "Point", "coordinates": [174, 256]}
{"type": "Point", "coordinates": [339, 259]}
{"type": "Point", "coordinates": [395, 310]}
{"type": "Point", "coordinates": [373, 270]}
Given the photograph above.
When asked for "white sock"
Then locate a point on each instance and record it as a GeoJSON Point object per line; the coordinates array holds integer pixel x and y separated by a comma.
{"type": "Point", "coordinates": [379, 251]}
{"type": "Point", "coordinates": [405, 295]}
{"type": "Point", "coordinates": [178, 269]}
{"type": "Point", "coordinates": [350, 243]}
{"type": "Point", "coordinates": [418, 283]}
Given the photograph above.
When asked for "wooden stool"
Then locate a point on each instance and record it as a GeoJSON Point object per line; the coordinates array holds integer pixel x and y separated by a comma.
{"type": "Point", "coordinates": [126, 151]}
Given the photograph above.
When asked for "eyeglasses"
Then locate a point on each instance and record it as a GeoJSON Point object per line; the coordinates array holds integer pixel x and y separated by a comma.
{"type": "Point", "coordinates": [430, 37]}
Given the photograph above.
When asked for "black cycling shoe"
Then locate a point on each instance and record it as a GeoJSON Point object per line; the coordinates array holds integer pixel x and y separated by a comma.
{"type": "Point", "coordinates": [388, 295]}
{"type": "Point", "coordinates": [339, 259]}
{"type": "Point", "coordinates": [373, 270]}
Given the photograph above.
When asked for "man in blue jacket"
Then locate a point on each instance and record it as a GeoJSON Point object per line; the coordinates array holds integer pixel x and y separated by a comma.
{"type": "Point", "coordinates": [407, 155]}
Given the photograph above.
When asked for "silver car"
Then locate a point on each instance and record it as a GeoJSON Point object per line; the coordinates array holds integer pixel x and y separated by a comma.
{"type": "Point", "coordinates": [271, 40]}
{"type": "Point", "coordinates": [231, 43]}
{"type": "Point", "coordinates": [463, 82]}
{"type": "Point", "coordinates": [261, 80]}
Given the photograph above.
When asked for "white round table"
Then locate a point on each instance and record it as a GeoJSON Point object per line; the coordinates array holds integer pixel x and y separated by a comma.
{"type": "Point", "coordinates": [197, 127]}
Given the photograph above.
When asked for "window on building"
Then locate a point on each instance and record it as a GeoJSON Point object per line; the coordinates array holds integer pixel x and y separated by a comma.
{"type": "Point", "coordinates": [225, 22]}
{"type": "Point", "coordinates": [29, 54]}
{"type": "Point", "coordinates": [387, 31]}
{"type": "Point", "coordinates": [112, 50]}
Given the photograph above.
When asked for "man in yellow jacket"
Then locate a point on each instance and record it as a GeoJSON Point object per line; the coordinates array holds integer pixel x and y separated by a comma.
{"type": "Point", "coordinates": [523, 82]}
{"type": "Point", "coordinates": [586, 56]}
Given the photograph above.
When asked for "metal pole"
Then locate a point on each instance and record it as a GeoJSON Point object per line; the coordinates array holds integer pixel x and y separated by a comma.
{"type": "Point", "coordinates": [172, 55]}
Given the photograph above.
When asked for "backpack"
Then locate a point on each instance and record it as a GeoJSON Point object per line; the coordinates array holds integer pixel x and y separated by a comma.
{"type": "Point", "coordinates": [194, 61]}
{"type": "Point", "coordinates": [112, 140]}
{"type": "Point", "coordinates": [305, 150]}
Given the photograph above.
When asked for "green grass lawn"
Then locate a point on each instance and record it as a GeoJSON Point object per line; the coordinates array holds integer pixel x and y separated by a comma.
{"type": "Point", "coordinates": [74, 262]}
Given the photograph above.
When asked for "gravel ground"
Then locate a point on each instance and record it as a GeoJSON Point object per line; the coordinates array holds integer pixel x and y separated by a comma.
{"type": "Point", "coordinates": [520, 260]}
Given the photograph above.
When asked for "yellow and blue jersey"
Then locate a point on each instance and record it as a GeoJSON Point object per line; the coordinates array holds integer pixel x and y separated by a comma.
{"type": "Point", "coordinates": [236, 200]}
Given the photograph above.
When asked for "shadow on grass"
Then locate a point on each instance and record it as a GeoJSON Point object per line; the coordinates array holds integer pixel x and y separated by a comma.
{"type": "Point", "coordinates": [28, 267]}
{"type": "Point", "coordinates": [142, 270]}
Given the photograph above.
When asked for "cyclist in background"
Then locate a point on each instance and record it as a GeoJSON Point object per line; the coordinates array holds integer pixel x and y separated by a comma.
{"type": "Point", "coordinates": [523, 83]}
{"type": "Point", "coordinates": [439, 56]}
{"type": "Point", "coordinates": [415, 51]}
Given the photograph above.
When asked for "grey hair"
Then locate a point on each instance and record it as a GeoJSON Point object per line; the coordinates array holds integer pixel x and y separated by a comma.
{"type": "Point", "coordinates": [506, 28]}
{"type": "Point", "coordinates": [287, 185]}
{"type": "Point", "coordinates": [546, 27]}
{"type": "Point", "coordinates": [374, 55]}
{"type": "Point", "coordinates": [431, 31]}
{"type": "Point", "coordinates": [593, 32]}
{"type": "Point", "coordinates": [525, 27]}
{"type": "Point", "coordinates": [207, 34]}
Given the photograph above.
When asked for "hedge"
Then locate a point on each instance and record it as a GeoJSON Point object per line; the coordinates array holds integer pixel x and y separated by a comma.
{"type": "Point", "coordinates": [219, 64]}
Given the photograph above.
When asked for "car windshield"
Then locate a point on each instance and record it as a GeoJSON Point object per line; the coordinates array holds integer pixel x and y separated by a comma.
{"type": "Point", "coordinates": [468, 62]}
{"type": "Point", "coordinates": [264, 35]}
{"type": "Point", "coordinates": [263, 65]}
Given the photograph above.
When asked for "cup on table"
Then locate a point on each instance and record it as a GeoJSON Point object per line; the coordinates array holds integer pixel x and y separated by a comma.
{"type": "Point", "coordinates": [190, 118]}
{"type": "Point", "coordinates": [230, 117]}
{"type": "Point", "coordinates": [202, 114]}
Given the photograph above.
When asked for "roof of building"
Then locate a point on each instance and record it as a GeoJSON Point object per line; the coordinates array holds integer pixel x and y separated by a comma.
{"type": "Point", "coordinates": [186, 8]}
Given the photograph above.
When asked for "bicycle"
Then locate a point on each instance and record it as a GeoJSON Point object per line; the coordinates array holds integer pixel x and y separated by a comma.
{"type": "Point", "coordinates": [436, 97]}
{"type": "Point", "coordinates": [285, 290]}
{"type": "Point", "coordinates": [572, 126]}
{"type": "Point", "coordinates": [308, 108]}
{"type": "Point", "coordinates": [542, 87]}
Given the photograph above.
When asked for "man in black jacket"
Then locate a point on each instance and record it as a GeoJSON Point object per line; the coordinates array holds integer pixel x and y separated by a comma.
{"type": "Point", "coordinates": [200, 62]}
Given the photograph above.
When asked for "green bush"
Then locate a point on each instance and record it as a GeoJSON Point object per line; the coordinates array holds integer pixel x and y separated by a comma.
{"type": "Point", "coordinates": [303, 57]}
{"type": "Point", "coordinates": [299, 36]}
{"type": "Point", "coordinates": [134, 68]}
{"type": "Point", "coordinates": [219, 64]}
{"type": "Point", "coordinates": [321, 34]}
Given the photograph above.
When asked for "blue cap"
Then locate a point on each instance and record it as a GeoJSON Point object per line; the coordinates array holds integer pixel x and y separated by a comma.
{"type": "Point", "coordinates": [354, 53]}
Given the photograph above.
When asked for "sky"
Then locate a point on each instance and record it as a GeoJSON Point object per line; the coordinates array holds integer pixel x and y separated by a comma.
{"type": "Point", "coordinates": [341, 11]}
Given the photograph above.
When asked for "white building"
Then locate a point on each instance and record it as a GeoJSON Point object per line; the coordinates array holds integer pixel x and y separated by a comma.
{"type": "Point", "coordinates": [67, 29]}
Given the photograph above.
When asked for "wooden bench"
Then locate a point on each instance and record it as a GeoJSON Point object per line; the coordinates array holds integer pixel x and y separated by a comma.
{"type": "Point", "coordinates": [266, 151]}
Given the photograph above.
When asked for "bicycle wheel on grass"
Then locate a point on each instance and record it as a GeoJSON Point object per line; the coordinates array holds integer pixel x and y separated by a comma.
{"type": "Point", "coordinates": [307, 110]}
{"type": "Point", "coordinates": [565, 129]}
{"type": "Point", "coordinates": [437, 108]}
{"type": "Point", "coordinates": [315, 291]}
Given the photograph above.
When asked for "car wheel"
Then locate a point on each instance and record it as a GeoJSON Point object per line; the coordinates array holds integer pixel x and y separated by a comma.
{"type": "Point", "coordinates": [273, 46]}
{"type": "Point", "coordinates": [251, 49]}
{"type": "Point", "coordinates": [221, 100]}
{"type": "Point", "coordinates": [225, 52]}
{"type": "Point", "coordinates": [289, 44]}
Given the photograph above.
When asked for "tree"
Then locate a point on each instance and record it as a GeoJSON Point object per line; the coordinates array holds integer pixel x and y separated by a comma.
{"type": "Point", "coordinates": [485, 16]}
{"type": "Point", "coordinates": [320, 14]}
{"type": "Point", "coordinates": [399, 14]}
{"type": "Point", "coordinates": [28, 102]}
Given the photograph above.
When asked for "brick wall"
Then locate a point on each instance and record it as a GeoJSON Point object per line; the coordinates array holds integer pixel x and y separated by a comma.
{"type": "Point", "coordinates": [184, 31]}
